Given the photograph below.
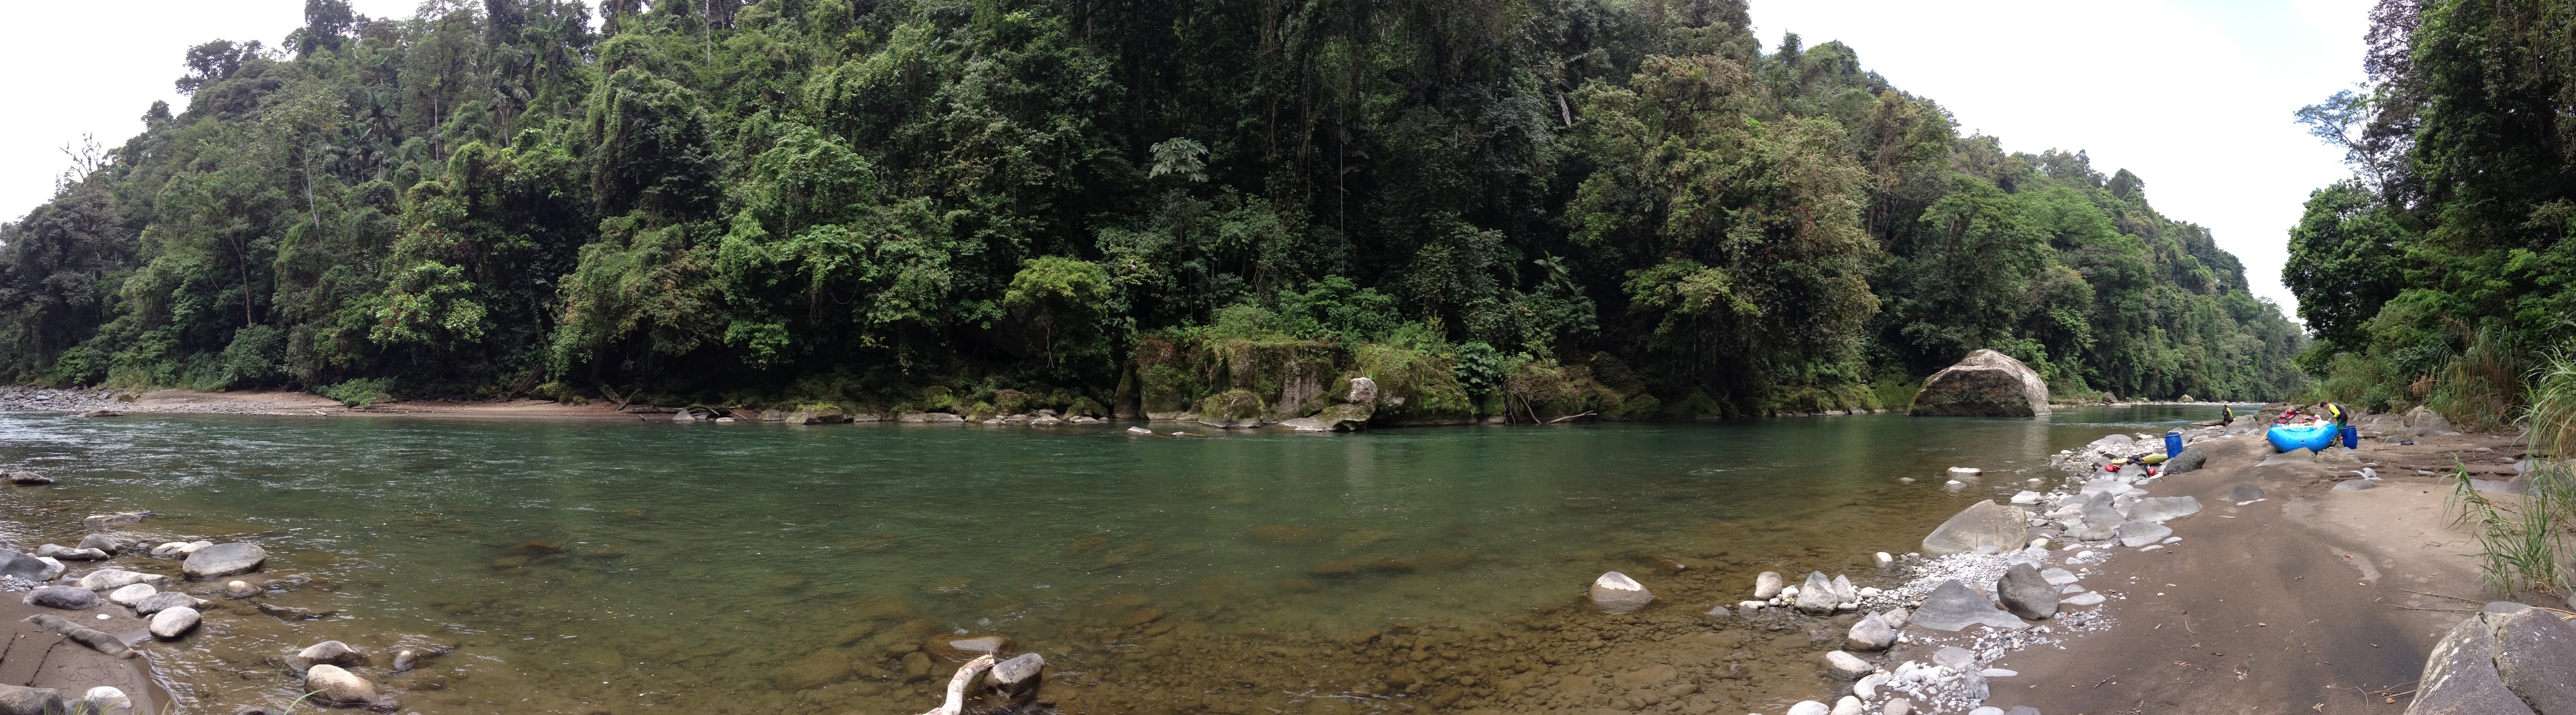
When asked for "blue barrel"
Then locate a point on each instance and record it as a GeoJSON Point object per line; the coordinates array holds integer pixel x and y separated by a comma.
{"type": "Point", "coordinates": [2351, 437]}
{"type": "Point", "coordinates": [2173, 444]}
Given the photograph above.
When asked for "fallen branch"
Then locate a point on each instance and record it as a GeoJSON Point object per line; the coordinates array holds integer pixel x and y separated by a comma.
{"type": "Point", "coordinates": [1569, 417]}
{"type": "Point", "coordinates": [965, 676]}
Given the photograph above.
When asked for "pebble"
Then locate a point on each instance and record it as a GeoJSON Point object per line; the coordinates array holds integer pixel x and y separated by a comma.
{"type": "Point", "coordinates": [1848, 706]}
{"type": "Point", "coordinates": [2087, 598]}
{"type": "Point", "coordinates": [1899, 706]}
{"type": "Point", "coordinates": [1810, 707]}
{"type": "Point", "coordinates": [240, 589]}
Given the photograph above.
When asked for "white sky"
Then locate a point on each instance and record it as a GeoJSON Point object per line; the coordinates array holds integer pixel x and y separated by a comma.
{"type": "Point", "coordinates": [2192, 95]}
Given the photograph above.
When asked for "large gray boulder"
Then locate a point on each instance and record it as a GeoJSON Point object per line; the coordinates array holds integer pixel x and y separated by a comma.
{"type": "Point", "coordinates": [1982, 524]}
{"type": "Point", "coordinates": [2134, 534]}
{"type": "Point", "coordinates": [22, 700]}
{"type": "Point", "coordinates": [69, 598]}
{"type": "Point", "coordinates": [2535, 654]}
{"type": "Point", "coordinates": [1952, 606]}
{"type": "Point", "coordinates": [2460, 677]}
{"type": "Point", "coordinates": [2101, 519]}
{"type": "Point", "coordinates": [222, 560]}
{"type": "Point", "coordinates": [23, 566]}
{"type": "Point", "coordinates": [1350, 410]}
{"type": "Point", "coordinates": [2190, 459]}
{"type": "Point", "coordinates": [1817, 596]}
{"type": "Point", "coordinates": [2027, 593]}
{"type": "Point", "coordinates": [2161, 509]}
{"type": "Point", "coordinates": [2424, 421]}
{"type": "Point", "coordinates": [1986, 384]}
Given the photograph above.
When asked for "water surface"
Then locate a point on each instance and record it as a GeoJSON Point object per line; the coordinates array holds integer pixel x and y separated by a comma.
{"type": "Point", "coordinates": [610, 567]}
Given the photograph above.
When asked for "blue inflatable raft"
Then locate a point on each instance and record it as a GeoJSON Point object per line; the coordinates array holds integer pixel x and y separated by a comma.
{"type": "Point", "coordinates": [2313, 436]}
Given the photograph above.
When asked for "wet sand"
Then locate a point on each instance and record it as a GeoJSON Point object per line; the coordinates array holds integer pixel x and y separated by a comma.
{"type": "Point", "coordinates": [2306, 601]}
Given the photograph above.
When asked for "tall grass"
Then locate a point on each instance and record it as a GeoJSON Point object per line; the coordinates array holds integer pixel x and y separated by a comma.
{"type": "Point", "coordinates": [2524, 542]}
{"type": "Point", "coordinates": [2482, 389]}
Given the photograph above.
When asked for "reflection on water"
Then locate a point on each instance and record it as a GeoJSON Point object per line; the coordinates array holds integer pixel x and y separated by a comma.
{"type": "Point", "coordinates": [651, 567]}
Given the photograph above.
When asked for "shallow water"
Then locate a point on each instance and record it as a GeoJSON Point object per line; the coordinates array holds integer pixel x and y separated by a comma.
{"type": "Point", "coordinates": [606, 567]}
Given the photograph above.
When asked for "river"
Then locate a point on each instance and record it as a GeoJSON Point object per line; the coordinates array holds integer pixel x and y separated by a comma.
{"type": "Point", "coordinates": [609, 567]}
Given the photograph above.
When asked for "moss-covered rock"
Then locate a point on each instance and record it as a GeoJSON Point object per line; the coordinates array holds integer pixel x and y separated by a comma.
{"type": "Point", "coordinates": [1231, 408]}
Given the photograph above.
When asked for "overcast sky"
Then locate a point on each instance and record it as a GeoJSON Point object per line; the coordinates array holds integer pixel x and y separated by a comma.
{"type": "Point", "coordinates": [2192, 95]}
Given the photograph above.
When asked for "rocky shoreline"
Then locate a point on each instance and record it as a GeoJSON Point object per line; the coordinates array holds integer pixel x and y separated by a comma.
{"type": "Point", "coordinates": [1908, 632]}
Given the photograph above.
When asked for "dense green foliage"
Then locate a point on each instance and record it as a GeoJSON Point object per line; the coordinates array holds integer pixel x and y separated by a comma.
{"type": "Point", "coordinates": [2440, 272]}
{"type": "Point", "coordinates": [839, 200]}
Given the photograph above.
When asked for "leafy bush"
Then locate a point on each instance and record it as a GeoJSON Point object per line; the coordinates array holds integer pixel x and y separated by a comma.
{"type": "Point", "coordinates": [360, 393]}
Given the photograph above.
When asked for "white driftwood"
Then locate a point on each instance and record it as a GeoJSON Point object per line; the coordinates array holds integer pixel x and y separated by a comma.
{"type": "Point", "coordinates": [957, 685]}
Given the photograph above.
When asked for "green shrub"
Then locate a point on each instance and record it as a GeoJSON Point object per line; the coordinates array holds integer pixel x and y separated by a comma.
{"type": "Point", "coordinates": [360, 393]}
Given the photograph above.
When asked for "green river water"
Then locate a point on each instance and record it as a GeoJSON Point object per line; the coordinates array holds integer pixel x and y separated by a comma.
{"type": "Point", "coordinates": [612, 567]}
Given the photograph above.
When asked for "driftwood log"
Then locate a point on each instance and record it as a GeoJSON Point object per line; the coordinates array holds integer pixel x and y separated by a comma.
{"type": "Point", "coordinates": [958, 683]}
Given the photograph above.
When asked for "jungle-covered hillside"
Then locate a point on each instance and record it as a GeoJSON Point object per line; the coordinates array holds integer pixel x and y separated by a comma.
{"type": "Point", "coordinates": [2440, 273]}
{"type": "Point", "coordinates": [1628, 204]}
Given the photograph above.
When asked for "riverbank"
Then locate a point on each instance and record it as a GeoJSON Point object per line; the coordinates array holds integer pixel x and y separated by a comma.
{"type": "Point", "coordinates": [107, 403]}
{"type": "Point", "coordinates": [546, 562]}
{"type": "Point", "coordinates": [2311, 599]}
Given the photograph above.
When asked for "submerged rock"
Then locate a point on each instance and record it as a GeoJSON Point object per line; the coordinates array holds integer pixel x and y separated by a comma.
{"type": "Point", "coordinates": [1986, 384]}
{"type": "Point", "coordinates": [29, 479]}
{"type": "Point", "coordinates": [2245, 491]}
{"type": "Point", "coordinates": [326, 653]}
{"type": "Point", "coordinates": [1981, 525]}
{"type": "Point", "coordinates": [2027, 593]}
{"type": "Point", "coordinates": [240, 589]}
{"type": "Point", "coordinates": [1617, 593]}
{"type": "Point", "coordinates": [1952, 606]}
{"type": "Point", "coordinates": [224, 560]}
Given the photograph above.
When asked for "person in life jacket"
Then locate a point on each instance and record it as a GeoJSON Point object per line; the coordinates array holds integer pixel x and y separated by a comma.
{"type": "Point", "coordinates": [2337, 413]}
